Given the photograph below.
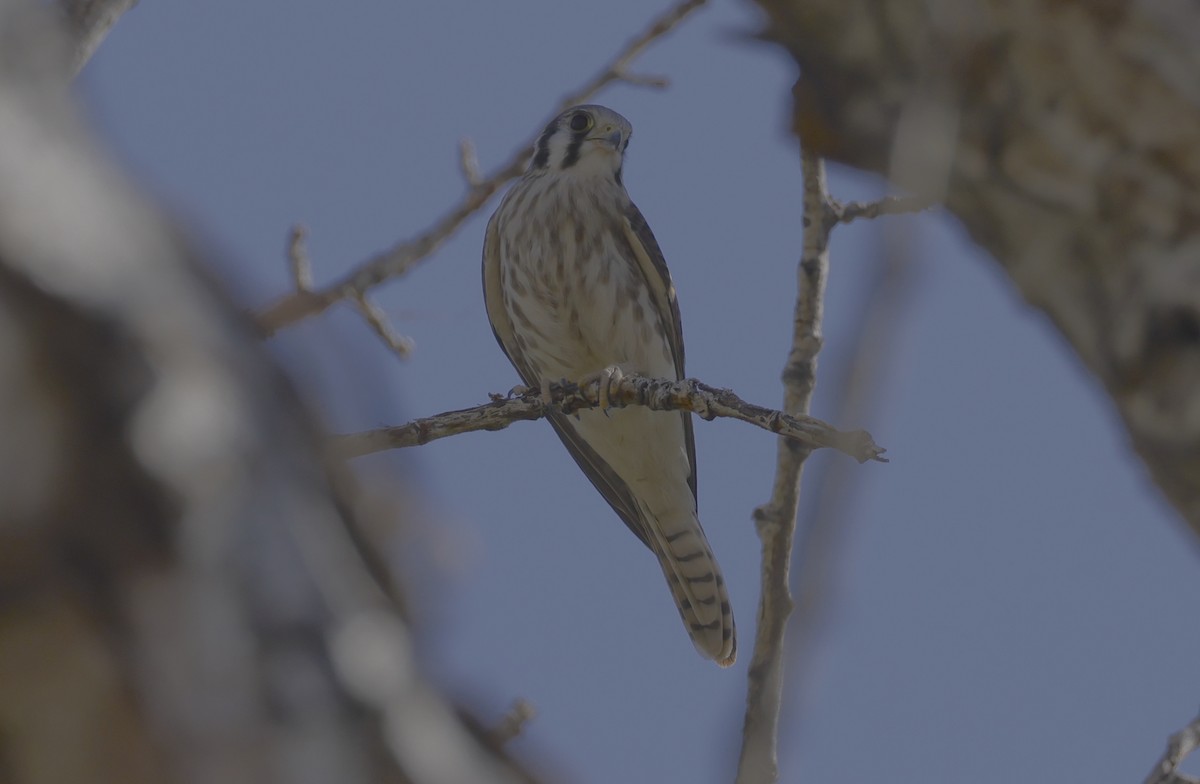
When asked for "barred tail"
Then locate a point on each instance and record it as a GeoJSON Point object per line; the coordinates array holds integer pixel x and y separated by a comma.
{"type": "Point", "coordinates": [697, 586]}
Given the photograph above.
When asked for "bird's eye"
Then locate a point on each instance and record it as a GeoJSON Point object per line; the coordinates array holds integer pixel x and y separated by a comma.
{"type": "Point", "coordinates": [581, 122]}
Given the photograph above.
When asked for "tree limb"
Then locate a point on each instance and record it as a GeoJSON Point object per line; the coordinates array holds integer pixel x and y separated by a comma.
{"type": "Point", "coordinates": [177, 556]}
{"type": "Point", "coordinates": [776, 520]}
{"type": "Point", "coordinates": [1064, 137]}
{"type": "Point", "coordinates": [401, 257]}
{"type": "Point", "coordinates": [656, 394]}
{"type": "Point", "coordinates": [859, 381]}
{"type": "Point", "coordinates": [1181, 744]}
{"type": "Point", "coordinates": [1067, 137]}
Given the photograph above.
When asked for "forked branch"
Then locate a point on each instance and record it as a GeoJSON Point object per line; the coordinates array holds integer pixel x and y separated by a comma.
{"type": "Point", "coordinates": [776, 520]}
{"type": "Point", "coordinates": [403, 256]}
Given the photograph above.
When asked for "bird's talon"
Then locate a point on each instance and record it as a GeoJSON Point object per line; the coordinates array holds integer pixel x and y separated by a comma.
{"type": "Point", "coordinates": [606, 379]}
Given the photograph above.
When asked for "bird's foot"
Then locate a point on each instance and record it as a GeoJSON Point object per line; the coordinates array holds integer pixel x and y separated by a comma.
{"type": "Point", "coordinates": [608, 378]}
{"type": "Point", "coordinates": [547, 395]}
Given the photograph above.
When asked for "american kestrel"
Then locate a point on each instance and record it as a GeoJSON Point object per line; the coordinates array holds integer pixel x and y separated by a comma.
{"type": "Point", "coordinates": [575, 287]}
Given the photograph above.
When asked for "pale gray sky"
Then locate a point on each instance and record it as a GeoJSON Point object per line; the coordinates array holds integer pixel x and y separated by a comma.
{"type": "Point", "coordinates": [1006, 607]}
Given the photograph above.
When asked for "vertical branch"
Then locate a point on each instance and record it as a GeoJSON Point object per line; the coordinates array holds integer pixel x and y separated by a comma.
{"type": "Point", "coordinates": [869, 358]}
{"type": "Point", "coordinates": [776, 520]}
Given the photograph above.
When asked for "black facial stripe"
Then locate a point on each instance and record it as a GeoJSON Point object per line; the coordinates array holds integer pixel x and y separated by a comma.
{"type": "Point", "coordinates": [542, 157]}
{"type": "Point", "coordinates": [572, 156]}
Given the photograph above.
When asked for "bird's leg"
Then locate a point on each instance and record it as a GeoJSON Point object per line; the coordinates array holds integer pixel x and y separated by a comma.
{"type": "Point", "coordinates": [547, 395]}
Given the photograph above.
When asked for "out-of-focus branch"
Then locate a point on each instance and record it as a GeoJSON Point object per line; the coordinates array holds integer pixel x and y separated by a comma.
{"type": "Point", "coordinates": [401, 345]}
{"type": "Point", "coordinates": [185, 567]}
{"type": "Point", "coordinates": [513, 723]}
{"type": "Point", "coordinates": [90, 21]}
{"type": "Point", "coordinates": [401, 257]}
{"type": "Point", "coordinates": [776, 520]}
{"type": "Point", "coordinates": [847, 212]}
{"type": "Point", "coordinates": [299, 262]}
{"type": "Point", "coordinates": [656, 394]}
{"type": "Point", "coordinates": [1181, 744]}
{"type": "Point", "coordinates": [1104, 240]}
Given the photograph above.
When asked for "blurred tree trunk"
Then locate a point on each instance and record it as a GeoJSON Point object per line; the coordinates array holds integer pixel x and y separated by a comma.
{"type": "Point", "coordinates": [1065, 135]}
{"type": "Point", "coordinates": [184, 594]}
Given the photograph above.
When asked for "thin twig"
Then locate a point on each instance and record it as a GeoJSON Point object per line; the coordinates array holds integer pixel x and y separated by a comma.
{"type": "Point", "coordinates": [400, 258]}
{"type": "Point", "coordinates": [468, 161]}
{"type": "Point", "coordinates": [298, 261]}
{"type": "Point", "coordinates": [655, 394]}
{"type": "Point", "coordinates": [512, 723]}
{"type": "Point", "coordinates": [847, 212]}
{"type": "Point", "coordinates": [657, 81]}
{"type": "Point", "coordinates": [402, 345]}
{"type": "Point", "coordinates": [1181, 744]}
{"type": "Point", "coordinates": [776, 520]}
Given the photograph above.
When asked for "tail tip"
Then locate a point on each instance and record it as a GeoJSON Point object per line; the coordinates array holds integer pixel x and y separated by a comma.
{"type": "Point", "coordinates": [724, 655]}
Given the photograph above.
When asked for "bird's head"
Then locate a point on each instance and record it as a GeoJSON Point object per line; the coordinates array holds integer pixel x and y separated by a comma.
{"type": "Point", "coordinates": [585, 141]}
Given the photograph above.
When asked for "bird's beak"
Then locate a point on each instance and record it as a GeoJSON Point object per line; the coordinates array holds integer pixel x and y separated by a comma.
{"type": "Point", "coordinates": [612, 139]}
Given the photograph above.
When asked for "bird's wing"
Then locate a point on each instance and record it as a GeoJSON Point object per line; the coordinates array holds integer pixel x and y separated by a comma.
{"type": "Point", "coordinates": [611, 486]}
{"type": "Point", "coordinates": [493, 300]}
{"type": "Point", "coordinates": [658, 280]}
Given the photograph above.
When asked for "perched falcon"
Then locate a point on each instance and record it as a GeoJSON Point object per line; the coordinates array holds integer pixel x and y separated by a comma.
{"type": "Point", "coordinates": [575, 286]}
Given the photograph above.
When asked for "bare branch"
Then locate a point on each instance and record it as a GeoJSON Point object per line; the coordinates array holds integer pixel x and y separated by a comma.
{"type": "Point", "coordinates": [402, 345]}
{"type": "Point", "coordinates": [298, 260]}
{"type": "Point", "coordinates": [618, 69]}
{"type": "Point", "coordinates": [400, 258]}
{"type": "Point", "coordinates": [825, 522]}
{"type": "Point", "coordinates": [776, 520]}
{"type": "Point", "coordinates": [513, 722]}
{"type": "Point", "coordinates": [468, 161]}
{"type": "Point", "coordinates": [656, 81]}
{"type": "Point", "coordinates": [1181, 744]}
{"type": "Point", "coordinates": [655, 394]}
{"type": "Point", "coordinates": [847, 212]}
{"type": "Point", "coordinates": [89, 22]}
